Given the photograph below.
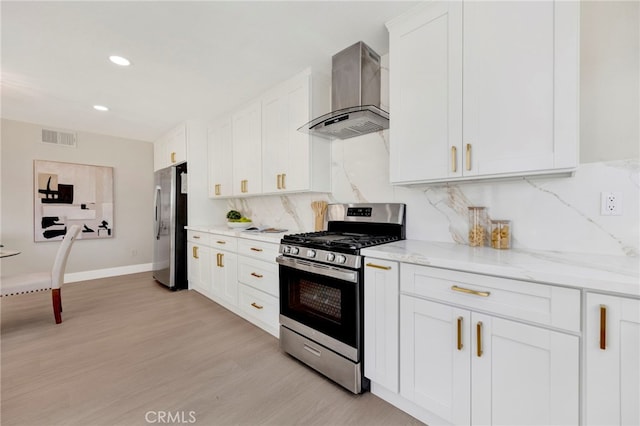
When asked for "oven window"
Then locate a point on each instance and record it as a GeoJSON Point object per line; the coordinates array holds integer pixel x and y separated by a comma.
{"type": "Point", "coordinates": [328, 305]}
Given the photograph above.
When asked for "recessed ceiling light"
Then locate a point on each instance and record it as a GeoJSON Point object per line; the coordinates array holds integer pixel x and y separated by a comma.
{"type": "Point", "coordinates": [119, 60]}
{"type": "Point", "coordinates": [100, 108]}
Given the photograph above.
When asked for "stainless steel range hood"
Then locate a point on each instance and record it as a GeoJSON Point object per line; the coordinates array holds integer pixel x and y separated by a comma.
{"type": "Point", "coordinates": [355, 96]}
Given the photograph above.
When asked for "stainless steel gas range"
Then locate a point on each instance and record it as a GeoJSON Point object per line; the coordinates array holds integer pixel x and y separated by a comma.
{"type": "Point", "coordinates": [322, 288]}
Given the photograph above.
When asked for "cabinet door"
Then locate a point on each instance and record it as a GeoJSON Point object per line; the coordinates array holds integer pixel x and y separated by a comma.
{"type": "Point", "coordinates": [520, 86]}
{"type": "Point", "coordinates": [425, 54]}
{"type": "Point", "coordinates": [612, 340]}
{"type": "Point", "coordinates": [381, 317]}
{"type": "Point", "coordinates": [220, 152]}
{"type": "Point", "coordinates": [523, 374]}
{"type": "Point", "coordinates": [224, 277]}
{"type": "Point", "coordinates": [274, 140]}
{"type": "Point", "coordinates": [247, 150]}
{"type": "Point", "coordinates": [177, 145]}
{"type": "Point", "coordinates": [198, 268]}
{"type": "Point", "coordinates": [160, 159]}
{"type": "Point", "coordinates": [434, 358]}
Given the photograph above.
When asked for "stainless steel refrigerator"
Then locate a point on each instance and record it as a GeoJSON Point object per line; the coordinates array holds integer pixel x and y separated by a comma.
{"type": "Point", "coordinates": [170, 218]}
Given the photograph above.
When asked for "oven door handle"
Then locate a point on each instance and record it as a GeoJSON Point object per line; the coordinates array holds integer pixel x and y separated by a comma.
{"type": "Point", "coordinates": [319, 269]}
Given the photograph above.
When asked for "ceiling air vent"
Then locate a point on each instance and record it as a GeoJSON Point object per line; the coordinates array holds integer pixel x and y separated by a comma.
{"type": "Point", "coordinates": [57, 137]}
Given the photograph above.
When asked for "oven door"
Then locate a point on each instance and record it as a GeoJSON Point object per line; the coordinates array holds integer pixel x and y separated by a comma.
{"type": "Point", "coordinates": [321, 302]}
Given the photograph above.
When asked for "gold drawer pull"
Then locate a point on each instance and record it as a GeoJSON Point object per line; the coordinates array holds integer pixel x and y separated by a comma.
{"type": "Point", "coordinates": [195, 252]}
{"type": "Point", "coordinates": [279, 181]}
{"type": "Point", "coordinates": [255, 305]}
{"type": "Point", "coordinates": [221, 242]}
{"type": "Point", "coordinates": [469, 291]}
{"type": "Point", "coordinates": [459, 333]}
{"type": "Point", "coordinates": [284, 181]}
{"type": "Point", "coordinates": [454, 159]}
{"type": "Point", "coordinates": [479, 335]}
{"type": "Point", "coordinates": [603, 327]}
{"type": "Point", "coordinates": [173, 157]}
{"type": "Point", "coordinates": [253, 274]}
{"type": "Point", "coordinates": [197, 237]}
{"type": "Point", "coordinates": [220, 260]}
{"type": "Point", "coordinates": [217, 189]}
{"type": "Point", "coordinates": [468, 158]}
{"type": "Point", "coordinates": [373, 265]}
{"type": "Point", "coordinates": [255, 249]}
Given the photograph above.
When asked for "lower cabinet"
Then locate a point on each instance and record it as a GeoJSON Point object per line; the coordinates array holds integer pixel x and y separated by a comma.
{"type": "Point", "coordinates": [612, 351]}
{"type": "Point", "coordinates": [471, 368]}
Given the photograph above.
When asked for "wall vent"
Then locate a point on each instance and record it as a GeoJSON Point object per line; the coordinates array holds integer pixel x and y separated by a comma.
{"type": "Point", "coordinates": [62, 138]}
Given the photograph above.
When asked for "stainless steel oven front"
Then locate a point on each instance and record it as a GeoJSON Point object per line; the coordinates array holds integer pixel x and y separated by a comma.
{"type": "Point", "coordinates": [321, 318]}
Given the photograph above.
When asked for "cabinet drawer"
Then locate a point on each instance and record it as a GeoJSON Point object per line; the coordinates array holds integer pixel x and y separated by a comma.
{"type": "Point", "coordinates": [259, 306]}
{"type": "Point", "coordinates": [539, 303]}
{"type": "Point", "coordinates": [223, 242]}
{"type": "Point", "coordinates": [258, 249]}
{"type": "Point", "coordinates": [258, 274]}
{"type": "Point", "coordinates": [198, 237]}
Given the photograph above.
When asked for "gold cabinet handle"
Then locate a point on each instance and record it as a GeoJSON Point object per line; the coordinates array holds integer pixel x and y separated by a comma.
{"type": "Point", "coordinates": [253, 274]}
{"type": "Point", "coordinates": [255, 249]}
{"type": "Point", "coordinates": [218, 259]}
{"type": "Point", "coordinates": [373, 265]}
{"type": "Point", "coordinates": [460, 333]}
{"type": "Point", "coordinates": [454, 159]}
{"type": "Point", "coordinates": [197, 237]}
{"type": "Point", "coordinates": [479, 336]}
{"type": "Point", "coordinates": [468, 156]}
{"type": "Point", "coordinates": [284, 181]}
{"type": "Point", "coordinates": [221, 260]}
{"type": "Point", "coordinates": [255, 305]}
{"type": "Point", "coordinates": [194, 252]}
{"type": "Point", "coordinates": [603, 327]}
{"type": "Point", "coordinates": [217, 189]}
{"type": "Point", "coordinates": [221, 242]}
{"type": "Point", "coordinates": [469, 291]}
{"type": "Point", "coordinates": [279, 181]}
{"type": "Point", "coordinates": [173, 157]}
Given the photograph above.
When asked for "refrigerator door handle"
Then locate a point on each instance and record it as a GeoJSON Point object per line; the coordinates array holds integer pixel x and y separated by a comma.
{"type": "Point", "coordinates": [158, 211]}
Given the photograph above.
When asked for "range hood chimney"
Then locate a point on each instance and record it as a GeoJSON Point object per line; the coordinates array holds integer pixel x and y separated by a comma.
{"type": "Point", "coordinates": [355, 96]}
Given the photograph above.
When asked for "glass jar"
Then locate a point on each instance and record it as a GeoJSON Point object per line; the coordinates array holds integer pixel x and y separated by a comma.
{"type": "Point", "coordinates": [501, 234]}
{"type": "Point", "coordinates": [477, 226]}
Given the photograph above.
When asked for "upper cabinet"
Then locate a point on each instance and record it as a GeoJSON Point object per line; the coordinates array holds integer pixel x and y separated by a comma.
{"type": "Point", "coordinates": [220, 146]}
{"type": "Point", "coordinates": [483, 90]}
{"type": "Point", "coordinates": [171, 148]}
{"type": "Point", "coordinates": [293, 161]}
{"type": "Point", "coordinates": [259, 150]}
{"type": "Point", "coordinates": [246, 126]}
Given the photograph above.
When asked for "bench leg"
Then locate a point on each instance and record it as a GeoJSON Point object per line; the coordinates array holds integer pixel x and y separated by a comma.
{"type": "Point", "coordinates": [57, 304]}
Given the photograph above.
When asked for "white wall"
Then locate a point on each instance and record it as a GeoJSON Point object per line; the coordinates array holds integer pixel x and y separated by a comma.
{"type": "Point", "coordinates": [133, 180]}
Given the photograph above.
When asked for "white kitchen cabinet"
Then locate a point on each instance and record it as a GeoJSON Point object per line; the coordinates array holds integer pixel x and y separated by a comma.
{"type": "Point", "coordinates": [258, 283]}
{"type": "Point", "coordinates": [198, 271]}
{"type": "Point", "coordinates": [612, 350]}
{"type": "Point", "coordinates": [220, 154]}
{"type": "Point", "coordinates": [381, 319]}
{"type": "Point", "coordinates": [171, 148]}
{"type": "Point", "coordinates": [473, 366]}
{"type": "Point", "coordinates": [483, 90]}
{"type": "Point", "coordinates": [293, 161]}
{"type": "Point", "coordinates": [247, 150]}
{"type": "Point", "coordinates": [224, 270]}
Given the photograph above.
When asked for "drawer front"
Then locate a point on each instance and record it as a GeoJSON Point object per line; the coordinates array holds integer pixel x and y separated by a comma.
{"type": "Point", "coordinates": [539, 303]}
{"type": "Point", "coordinates": [259, 274]}
{"type": "Point", "coordinates": [198, 237]}
{"type": "Point", "coordinates": [258, 249]}
{"type": "Point", "coordinates": [223, 242]}
{"type": "Point", "coordinates": [259, 306]}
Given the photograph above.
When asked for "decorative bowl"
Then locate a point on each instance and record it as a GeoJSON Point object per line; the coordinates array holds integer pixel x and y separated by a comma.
{"type": "Point", "coordinates": [239, 225]}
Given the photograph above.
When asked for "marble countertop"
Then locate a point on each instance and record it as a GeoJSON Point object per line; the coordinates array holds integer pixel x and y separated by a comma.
{"type": "Point", "coordinates": [616, 274]}
{"type": "Point", "coordinates": [240, 233]}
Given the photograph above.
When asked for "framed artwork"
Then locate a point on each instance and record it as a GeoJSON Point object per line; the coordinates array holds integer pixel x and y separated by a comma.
{"type": "Point", "coordinates": [66, 194]}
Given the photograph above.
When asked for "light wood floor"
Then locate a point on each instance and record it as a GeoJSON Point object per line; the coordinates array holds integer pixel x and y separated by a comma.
{"type": "Point", "coordinates": [128, 348]}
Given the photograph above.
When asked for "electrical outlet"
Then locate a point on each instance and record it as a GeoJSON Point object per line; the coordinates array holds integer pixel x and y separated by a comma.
{"type": "Point", "coordinates": [611, 204]}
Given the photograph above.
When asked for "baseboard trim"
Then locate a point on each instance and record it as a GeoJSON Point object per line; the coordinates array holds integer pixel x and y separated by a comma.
{"type": "Point", "coordinates": [105, 273]}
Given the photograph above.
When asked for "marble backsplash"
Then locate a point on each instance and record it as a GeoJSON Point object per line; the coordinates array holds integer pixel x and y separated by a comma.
{"type": "Point", "coordinates": [547, 213]}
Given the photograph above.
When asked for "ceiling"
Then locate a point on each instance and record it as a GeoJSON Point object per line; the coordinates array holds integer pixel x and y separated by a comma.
{"type": "Point", "coordinates": [190, 60]}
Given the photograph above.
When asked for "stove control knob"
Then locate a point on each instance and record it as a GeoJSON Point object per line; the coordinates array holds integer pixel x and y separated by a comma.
{"type": "Point", "coordinates": [330, 257]}
{"type": "Point", "coordinates": [311, 253]}
{"type": "Point", "coordinates": [341, 259]}
{"type": "Point", "coordinates": [286, 249]}
{"type": "Point", "coordinates": [294, 250]}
